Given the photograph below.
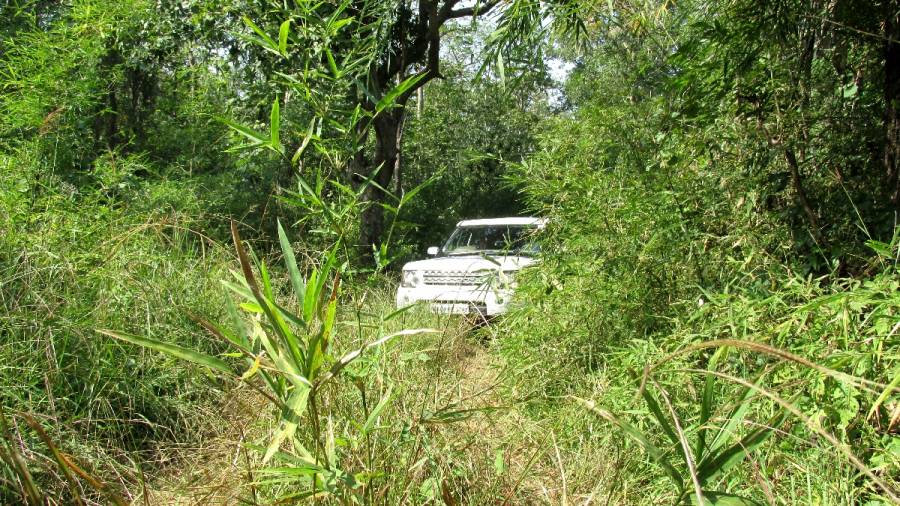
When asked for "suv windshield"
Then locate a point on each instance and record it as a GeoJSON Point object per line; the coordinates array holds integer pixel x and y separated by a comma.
{"type": "Point", "coordinates": [509, 239]}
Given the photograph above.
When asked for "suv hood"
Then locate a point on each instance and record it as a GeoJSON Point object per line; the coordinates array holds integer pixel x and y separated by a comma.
{"type": "Point", "coordinates": [470, 263]}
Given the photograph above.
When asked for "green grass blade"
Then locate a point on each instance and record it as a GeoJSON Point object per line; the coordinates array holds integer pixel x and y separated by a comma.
{"type": "Point", "coordinates": [657, 413]}
{"type": "Point", "coordinates": [652, 450]}
{"type": "Point", "coordinates": [732, 455]}
{"type": "Point", "coordinates": [743, 404]}
{"type": "Point", "coordinates": [709, 389]}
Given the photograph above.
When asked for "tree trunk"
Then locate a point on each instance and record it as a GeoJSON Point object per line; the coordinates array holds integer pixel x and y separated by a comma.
{"type": "Point", "coordinates": [387, 149]}
{"type": "Point", "coordinates": [892, 102]}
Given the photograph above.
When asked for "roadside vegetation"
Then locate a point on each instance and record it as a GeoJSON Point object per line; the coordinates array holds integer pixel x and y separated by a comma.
{"type": "Point", "coordinates": [204, 207]}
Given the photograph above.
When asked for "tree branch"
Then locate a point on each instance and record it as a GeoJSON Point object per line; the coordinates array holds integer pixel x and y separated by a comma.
{"type": "Point", "coordinates": [479, 9]}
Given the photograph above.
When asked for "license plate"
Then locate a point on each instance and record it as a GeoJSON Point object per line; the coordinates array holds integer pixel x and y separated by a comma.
{"type": "Point", "coordinates": [451, 308]}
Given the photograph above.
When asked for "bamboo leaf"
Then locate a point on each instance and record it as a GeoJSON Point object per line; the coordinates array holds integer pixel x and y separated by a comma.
{"type": "Point", "coordinates": [391, 96]}
{"type": "Point", "coordinates": [290, 419]}
{"type": "Point", "coordinates": [264, 40]}
{"type": "Point", "coordinates": [291, 262]}
{"type": "Point", "coordinates": [283, 33]}
{"type": "Point", "coordinates": [332, 64]}
{"type": "Point", "coordinates": [275, 126]}
{"type": "Point", "coordinates": [257, 138]}
{"type": "Point", "coordinates": [173, 350]}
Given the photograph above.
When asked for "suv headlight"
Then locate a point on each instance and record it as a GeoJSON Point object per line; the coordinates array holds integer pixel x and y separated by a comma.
{"type": "Point", "coordinates": [410, 279]}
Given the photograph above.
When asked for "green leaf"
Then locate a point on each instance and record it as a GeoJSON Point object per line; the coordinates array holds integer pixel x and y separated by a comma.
{"type": "Point", "coordinates": [275, 126]}
{"type": "Point", "coordinates": [257, 138]}
{"type": "Point", "coordinates": [283, 37]}
{"type": "Point", "coordinates": [306, 139]}
{"type": "Point", "coordinates": [332, 64]}
{"type": "Point", "coordinates": [391, 96]}
{"type": "Point", "coordinates": [290, 419]}
{"type": "Point", "coordinates": [172, 349]}
{"type": "Point", "coordinates": [291, 263]}
{"type": "Point", "coordinates": [264, 40]}
{"type": "Point", "coordinates": [376, 411]}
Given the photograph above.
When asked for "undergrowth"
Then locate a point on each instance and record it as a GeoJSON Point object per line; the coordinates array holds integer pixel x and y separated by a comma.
{"type": "Point", "coordinates": [75, 259]}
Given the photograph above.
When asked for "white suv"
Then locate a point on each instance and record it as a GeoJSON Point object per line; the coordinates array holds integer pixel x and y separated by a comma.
{"type": "Point", "coordinates": [473, 272]}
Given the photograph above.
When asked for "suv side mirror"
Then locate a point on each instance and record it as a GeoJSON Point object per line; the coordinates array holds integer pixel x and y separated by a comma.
{"type": "Point", "coordinates": [432, 251]}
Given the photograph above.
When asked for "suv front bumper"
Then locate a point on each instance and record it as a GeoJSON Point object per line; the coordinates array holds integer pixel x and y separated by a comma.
{"type": "Point", "coordinates": [448, 299]}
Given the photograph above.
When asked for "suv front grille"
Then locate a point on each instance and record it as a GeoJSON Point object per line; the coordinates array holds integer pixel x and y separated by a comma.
{"type": "Point", "coordinates": [455, 278]}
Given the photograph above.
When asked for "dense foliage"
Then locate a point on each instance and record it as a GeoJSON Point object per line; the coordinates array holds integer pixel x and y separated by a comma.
{"type": "Point", "coordinates": [714, 318]}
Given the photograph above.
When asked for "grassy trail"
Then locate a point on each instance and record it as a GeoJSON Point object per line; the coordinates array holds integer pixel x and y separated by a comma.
{"type": "Point", "coordinates": [492, 438]}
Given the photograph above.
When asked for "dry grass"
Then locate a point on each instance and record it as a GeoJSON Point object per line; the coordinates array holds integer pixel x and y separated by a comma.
{"type": "Point", "coordinates": [220, 471]}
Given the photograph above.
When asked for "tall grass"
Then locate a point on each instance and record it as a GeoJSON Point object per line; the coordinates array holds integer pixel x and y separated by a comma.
{"type": "Point", "coordinates": [75, 259]}
{"type": "Point", "coordinates": [782, 392]}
